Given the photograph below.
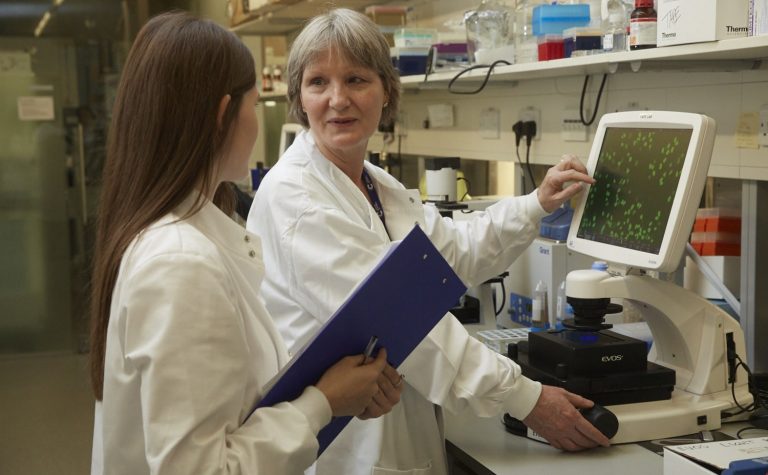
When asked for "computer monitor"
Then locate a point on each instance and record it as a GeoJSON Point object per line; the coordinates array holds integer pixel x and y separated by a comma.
{"type": "Point", "coordinates": [650, 168]}
{"type": "Point", "coordinates": [288, 133]}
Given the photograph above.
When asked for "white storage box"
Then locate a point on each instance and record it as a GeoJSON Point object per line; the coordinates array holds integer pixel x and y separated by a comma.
{"type": "Point", "coordinates": [728, 268]}
{"type": "Point", "coordinates": [696, 21]}
{"type": "Point", "coordinates": [712, 457]}
{"type": "Point", "coordinates": [758, 17]}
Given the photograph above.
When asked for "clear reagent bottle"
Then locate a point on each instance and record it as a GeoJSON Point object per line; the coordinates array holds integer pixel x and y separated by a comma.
{"type": "Point", "coordinates": [562, 301]}
{"type": "Point", "coordinates": [539, 310]}
{"type": "Point", "coordinates": [615, 25]}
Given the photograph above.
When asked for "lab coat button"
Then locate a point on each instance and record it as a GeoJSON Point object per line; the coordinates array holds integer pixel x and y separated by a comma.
{"type": "Point", "coordinates": [247, 238]}
{"type": "Point", "coordinates": [252, 253]}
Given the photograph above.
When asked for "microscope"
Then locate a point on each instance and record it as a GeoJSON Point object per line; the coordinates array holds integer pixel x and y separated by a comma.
{"type": "Point", "coordinates": [650, 169]}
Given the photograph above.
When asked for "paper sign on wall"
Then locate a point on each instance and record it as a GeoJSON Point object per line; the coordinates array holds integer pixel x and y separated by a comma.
{"type": "Point", "coordinates": [747, 129]}
{"type": "Point", "coordinates": [33, 108]}
{"type": "Point", "coordinates": [440, 115]}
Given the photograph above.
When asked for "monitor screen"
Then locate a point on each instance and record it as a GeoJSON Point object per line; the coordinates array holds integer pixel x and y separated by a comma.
{"type": "Point", "coordinates": [637, 174]}
{"type": "Point", "coordinates": [649, 170]}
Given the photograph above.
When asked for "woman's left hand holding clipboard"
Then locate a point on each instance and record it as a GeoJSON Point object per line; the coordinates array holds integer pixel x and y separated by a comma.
{"type": "Point", "coordinates": [364, 390]}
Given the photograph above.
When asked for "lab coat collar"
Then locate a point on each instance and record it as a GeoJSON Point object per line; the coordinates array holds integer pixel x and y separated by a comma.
{"type": "Point", "coordinates": [354, 197]}
{"type": "Point", "coordinates": [221, 229]}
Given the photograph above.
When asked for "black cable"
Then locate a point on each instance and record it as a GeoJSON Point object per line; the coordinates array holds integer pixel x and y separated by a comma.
{"type": "Point", "coordinates": [468, 187]}
{"type": "Point", "coordinates": [745, 429]}
{"type": "Point", "coordinates": [430, 61]}
{"type": "Point", "coordinates": [522, 169]}
{"type": "Point", "coordinates": [528, 163]}
{"type": "Point", "coordinates": [597, 101]}
{"type": "Point", "coordinates": [758, 401]}
{"type": "Point", "coordinates": [477, 66]}
{"type": "Point", "coordinates": [503, 299]}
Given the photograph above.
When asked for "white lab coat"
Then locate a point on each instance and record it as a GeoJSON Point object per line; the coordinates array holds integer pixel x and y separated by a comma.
{"type": "Point", "coordinates": [321, 236]}
{"type": "Point", "coordinates": [189, 348]}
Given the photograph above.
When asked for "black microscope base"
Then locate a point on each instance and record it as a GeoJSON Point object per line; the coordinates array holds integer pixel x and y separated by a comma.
{"type": "Point", "coordinates": [654, 384]}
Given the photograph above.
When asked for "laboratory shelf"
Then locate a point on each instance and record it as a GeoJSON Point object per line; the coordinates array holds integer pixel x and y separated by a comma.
{"type": "Point", "coordinates": [280, 17]}
{"type": "Point", "coordinates": [729, 55]}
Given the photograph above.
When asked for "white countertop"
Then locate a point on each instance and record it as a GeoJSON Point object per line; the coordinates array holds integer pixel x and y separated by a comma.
{"type": "Point", "coordinates": [486, 441]}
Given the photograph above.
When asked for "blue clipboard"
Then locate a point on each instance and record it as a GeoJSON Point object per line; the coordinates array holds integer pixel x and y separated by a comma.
{"type": "Point", "coordinates": [399, 302]}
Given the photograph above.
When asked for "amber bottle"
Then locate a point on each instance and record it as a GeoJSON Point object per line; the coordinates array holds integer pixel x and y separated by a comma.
{"type": "Point", "coordinates": [642, 25]}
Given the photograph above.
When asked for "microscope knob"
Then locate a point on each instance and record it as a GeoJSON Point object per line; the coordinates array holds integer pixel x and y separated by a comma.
{"type": "Point", "coordinates": [600, 417]}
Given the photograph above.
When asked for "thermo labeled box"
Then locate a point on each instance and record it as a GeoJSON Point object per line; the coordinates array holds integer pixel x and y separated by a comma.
{"type": "Point", "coordinates": [696, 21]}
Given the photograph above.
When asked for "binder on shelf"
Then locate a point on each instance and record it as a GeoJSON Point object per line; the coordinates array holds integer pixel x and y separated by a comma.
{"type": "Point", "coordinates": [399, 302]}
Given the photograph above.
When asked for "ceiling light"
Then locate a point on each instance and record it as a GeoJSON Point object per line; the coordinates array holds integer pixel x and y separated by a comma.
{"type": "Point", "coordinates": [41, 25]}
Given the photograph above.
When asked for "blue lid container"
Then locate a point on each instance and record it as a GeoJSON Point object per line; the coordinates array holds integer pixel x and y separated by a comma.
{"type": "Point", "coordinates": [556, 225]}
{"type": "Point", "coordinates": [553, 19]}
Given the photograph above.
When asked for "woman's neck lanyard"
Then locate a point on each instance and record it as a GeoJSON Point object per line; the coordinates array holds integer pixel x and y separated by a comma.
{"type": "Point", "coordinates": [374, 197]}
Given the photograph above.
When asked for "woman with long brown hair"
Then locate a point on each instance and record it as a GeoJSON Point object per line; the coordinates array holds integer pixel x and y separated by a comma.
{"type": "Point", "coordinates": [181, 344]}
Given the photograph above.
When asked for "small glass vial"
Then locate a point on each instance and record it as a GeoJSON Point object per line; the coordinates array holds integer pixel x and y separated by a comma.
{"type": "Point", "coordinates": [642, 25]}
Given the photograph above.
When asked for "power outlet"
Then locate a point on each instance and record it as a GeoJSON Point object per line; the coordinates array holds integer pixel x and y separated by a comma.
{"type": "Point", "coordinates": [762, 134]}
{"type": "Point", "coordinates": [571, 127]}
{"type": "Point", "coordinates": [532, 114]}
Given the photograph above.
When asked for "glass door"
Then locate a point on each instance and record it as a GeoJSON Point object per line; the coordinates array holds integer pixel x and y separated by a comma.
{"type": "Point", "coordinates": [36, 233]}
{"type": "Point", "coordinates": [55, 95]}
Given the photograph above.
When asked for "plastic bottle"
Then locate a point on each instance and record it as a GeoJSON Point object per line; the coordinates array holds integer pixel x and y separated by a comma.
{"type": "Point", "coordinates": [642, 25]}
{"type": "Point", "coordinates": [526, 45]}
{"type": "Point", "coordinates": [560, 309]}
{"type": "Point", "coordinates": [600, 265]}
{"type": "Point", "coordinates": [489, 28]}
{"type": "Point", "coordinates": [615, 25]}
{"type": "Point", "coordinates": [539, 308]}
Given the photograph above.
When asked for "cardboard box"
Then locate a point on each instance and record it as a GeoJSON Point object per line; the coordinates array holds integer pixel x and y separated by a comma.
{"type": "Point", "coordinates": [712, 457]}
{"type": "Point", "coordinates": [240, 11]}
{"type": "Point", "coordinates": [696, 21]}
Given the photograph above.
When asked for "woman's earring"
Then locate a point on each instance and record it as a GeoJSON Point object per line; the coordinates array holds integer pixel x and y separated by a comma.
{"type": "Point", "coordinates": [385, 104]}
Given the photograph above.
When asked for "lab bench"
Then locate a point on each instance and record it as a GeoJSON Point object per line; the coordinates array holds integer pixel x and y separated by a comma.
{"type": "Point", "coordinates": [482, 446]}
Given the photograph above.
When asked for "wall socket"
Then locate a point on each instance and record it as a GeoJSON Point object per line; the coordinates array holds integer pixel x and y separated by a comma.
{"type": "Point", "coordinates": [762, 133]}
{"type": "Point", "coordinates": [531, 114]}
{"type": "Point", "coordinates": [571, 127]}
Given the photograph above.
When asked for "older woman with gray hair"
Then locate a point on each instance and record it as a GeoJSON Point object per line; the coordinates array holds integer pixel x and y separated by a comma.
{"type": "Point", "coordinates": [325, 217]}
